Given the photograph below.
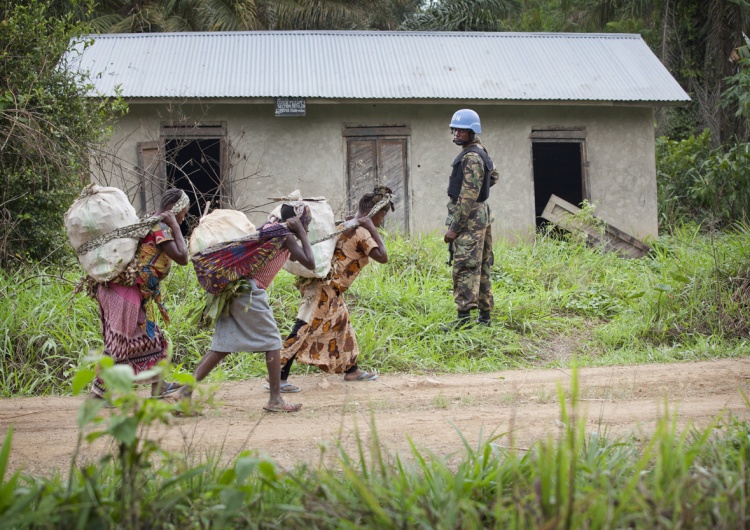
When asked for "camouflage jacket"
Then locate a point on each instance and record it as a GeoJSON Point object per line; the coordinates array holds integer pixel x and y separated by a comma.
{"type": "Point", "coordinates": [466, 213]}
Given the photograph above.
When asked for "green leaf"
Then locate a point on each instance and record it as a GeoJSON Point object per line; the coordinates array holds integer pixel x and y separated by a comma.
{"type": "Point", "coordinates": [245, 466]}
{"type": "Point", "coordinates": [106, 361]}
{"type": "Point", "coordinates": [82, 379]}
{"type": "Point", "coordinates": [89, 410]}
{"type": "Point", "coordinates": [232, 499]}
{"type": "Point", "coordinates": [145, 375]}
{"type": "Point", "coordinates": [680, 278]}
{"type": "Point", "coordinates": [5, 454]}
{"type": "Point", "coordinates": [124, 429]}
{"type": "Point", "coordinates": [184, 378]}
{"type": "Point", "coordinates": [663, 288]}
{"type": "Point", "coordinates": [90, 437]}
{"type": "Point", "coordinates": [119, 378]}
{"type": "Point", "coordinates": [227, 477]}
{"type": "Point", "coordinates": [268, 470]}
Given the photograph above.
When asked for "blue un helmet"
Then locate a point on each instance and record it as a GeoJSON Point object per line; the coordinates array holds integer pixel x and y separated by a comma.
{"type": "Point", "coordinates": [466, 119]}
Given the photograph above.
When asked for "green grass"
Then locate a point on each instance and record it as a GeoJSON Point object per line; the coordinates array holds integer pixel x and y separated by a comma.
{"type": "Point", "coordinates": [687, 300]}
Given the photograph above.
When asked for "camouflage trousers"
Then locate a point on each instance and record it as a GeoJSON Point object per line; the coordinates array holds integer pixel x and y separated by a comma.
{"type": "Point", "coordinates": [472, 264]}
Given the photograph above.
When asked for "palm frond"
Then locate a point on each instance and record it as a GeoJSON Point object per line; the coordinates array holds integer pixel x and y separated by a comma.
{"type": "Point", "coordinates": [232, 15]}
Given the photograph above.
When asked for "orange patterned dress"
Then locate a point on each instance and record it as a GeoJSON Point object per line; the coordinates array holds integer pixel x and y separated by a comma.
{"type": "Point", "coordinates": [327, 339]}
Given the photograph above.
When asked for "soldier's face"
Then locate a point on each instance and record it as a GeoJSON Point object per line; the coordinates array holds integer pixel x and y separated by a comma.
{"type": "Point", "coordinates": [460, 136]}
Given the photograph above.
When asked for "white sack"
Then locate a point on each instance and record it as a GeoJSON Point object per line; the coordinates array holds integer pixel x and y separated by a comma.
{"type": "Point", "coordinates": [219, 226]}
{"type": "Point", "coordinates": [102, 211]}
{"type": "Point", "coordinates": [322, 224]}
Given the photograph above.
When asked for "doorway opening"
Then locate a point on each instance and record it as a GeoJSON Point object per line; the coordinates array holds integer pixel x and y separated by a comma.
{"type": "Point", "coordinates": [195, 167]}
{"type": "Point", "coordinates": [559, 169]}
{"type": "Point", "coordinates": [195, 162]}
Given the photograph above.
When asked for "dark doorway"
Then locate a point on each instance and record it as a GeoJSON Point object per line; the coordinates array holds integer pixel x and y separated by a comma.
{"type": "Point", "coordinates": [194, 165]}
{"type": "Point", "coordinates": [558, 170]}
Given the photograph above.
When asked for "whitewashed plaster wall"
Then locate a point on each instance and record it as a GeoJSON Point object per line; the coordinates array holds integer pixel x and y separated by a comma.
{"type": "Point", "coordinates": [273, 156]}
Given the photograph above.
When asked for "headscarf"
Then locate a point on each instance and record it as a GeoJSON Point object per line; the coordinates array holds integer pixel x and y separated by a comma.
{"type": "Point", "coordinates": [301, 210]}
{"type": "Point", "coordinates": [383, 193]}
{"type": "Point", "coordinates": [182, 203]}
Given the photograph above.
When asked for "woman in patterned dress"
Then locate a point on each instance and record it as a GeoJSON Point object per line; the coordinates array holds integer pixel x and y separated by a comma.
{"type": "Point", "coordinates": [131, 335]}
{"type": "Point", "coordinates": [323, 335]}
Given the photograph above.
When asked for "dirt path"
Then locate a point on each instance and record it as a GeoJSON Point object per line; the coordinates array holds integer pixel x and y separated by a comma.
{"type": "Point", "coordinates": [426, 409]}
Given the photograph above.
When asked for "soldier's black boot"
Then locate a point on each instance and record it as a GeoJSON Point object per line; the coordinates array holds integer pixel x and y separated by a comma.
{"type": "Point", "coordinates": [484, 318]}
{"type": "Point", "coordinates": [463, 321]}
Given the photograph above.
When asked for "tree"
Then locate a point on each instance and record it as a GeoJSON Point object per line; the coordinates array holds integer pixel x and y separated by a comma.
{"type": "Point", "coordinates": [343, 14]}
{"type": "Point", "coordinates": [463, 15]}
{"type": "Point", "coordinates": [693, 38]}
{"type": "Point", "coordinates": [138, 16]}
{"type": "Point", "coordinates": [48, 127]}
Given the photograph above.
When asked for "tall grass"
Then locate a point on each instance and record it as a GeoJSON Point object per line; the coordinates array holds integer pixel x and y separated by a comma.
{"type": "Point", "coordinates": [687, 300]}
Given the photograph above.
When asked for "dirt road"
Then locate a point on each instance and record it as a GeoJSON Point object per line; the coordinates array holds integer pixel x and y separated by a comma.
{"type": "Point", "coordinates": [426, 409]}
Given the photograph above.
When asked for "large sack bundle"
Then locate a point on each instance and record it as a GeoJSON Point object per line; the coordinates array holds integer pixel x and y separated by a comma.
{"type": "Point", "coordinates": [98, 211]}
{"type": "Point", "coordinates": [220, 226]}
{"type": "Point", "coordinates": [322, 224]}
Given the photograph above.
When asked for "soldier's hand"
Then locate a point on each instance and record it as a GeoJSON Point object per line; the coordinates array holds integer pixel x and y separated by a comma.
{"type": "Point", "coordinates": [450, 236]}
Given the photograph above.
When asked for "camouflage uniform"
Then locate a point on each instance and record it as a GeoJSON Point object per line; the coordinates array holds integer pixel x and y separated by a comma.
{"type": "Point", "coordinates": [472, 221]}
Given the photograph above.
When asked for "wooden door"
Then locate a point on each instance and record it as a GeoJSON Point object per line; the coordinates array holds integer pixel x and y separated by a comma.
{"type": "Point", "coordinates": [380, 161]}
{"type": "Point", "coordinates": [152, 175]}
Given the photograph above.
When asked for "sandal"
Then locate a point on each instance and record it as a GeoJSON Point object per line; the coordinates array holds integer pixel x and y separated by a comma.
{"type": "Point", "coordinates": [286, 388]}
{"type": "Point", "coordinates": [171, 388]}
{"type": "Point", "coordinates": [284, 407]}
{"type": "Point", "coordinates": [364, 376]}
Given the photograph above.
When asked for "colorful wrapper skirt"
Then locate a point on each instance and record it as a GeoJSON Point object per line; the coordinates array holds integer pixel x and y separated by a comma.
{"type": "Point", "coordinates": [125, 340]}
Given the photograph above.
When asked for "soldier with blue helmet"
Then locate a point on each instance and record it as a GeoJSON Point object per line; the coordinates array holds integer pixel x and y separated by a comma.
{"type": "Point", "coordinates": [470, 222]}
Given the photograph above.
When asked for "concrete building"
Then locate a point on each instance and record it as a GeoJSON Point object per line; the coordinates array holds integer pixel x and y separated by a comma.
{"type": "Point", "coordinates": [241, 117]}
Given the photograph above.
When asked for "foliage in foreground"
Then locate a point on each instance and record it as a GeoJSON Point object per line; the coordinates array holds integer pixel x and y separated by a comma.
{"type": "Point", "coordinates": [686, 479]}
{"type": "Point", "coordinates": [687, 300]}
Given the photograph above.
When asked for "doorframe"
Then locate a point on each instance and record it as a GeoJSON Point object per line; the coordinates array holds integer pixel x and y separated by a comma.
{"type": "Point", "coordinates": [563, 134]}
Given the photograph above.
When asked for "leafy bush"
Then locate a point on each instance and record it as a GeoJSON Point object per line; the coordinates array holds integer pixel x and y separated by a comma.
{"type": "Point", "coordinates": [698, 184]}
{"type": "Point", "coordinates": [47, 129]}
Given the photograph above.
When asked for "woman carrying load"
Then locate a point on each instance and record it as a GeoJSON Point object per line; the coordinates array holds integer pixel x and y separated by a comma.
{"type": "Point", "coordinates": [126, 307]}
{"type": "Point", "coordinates": [249, 325]}
{"type": "Point", "coordinates": [323, 335]}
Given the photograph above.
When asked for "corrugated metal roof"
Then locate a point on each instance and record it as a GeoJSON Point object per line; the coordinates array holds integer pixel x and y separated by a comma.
{"type": "Point", "coordinates": [381, 66]}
